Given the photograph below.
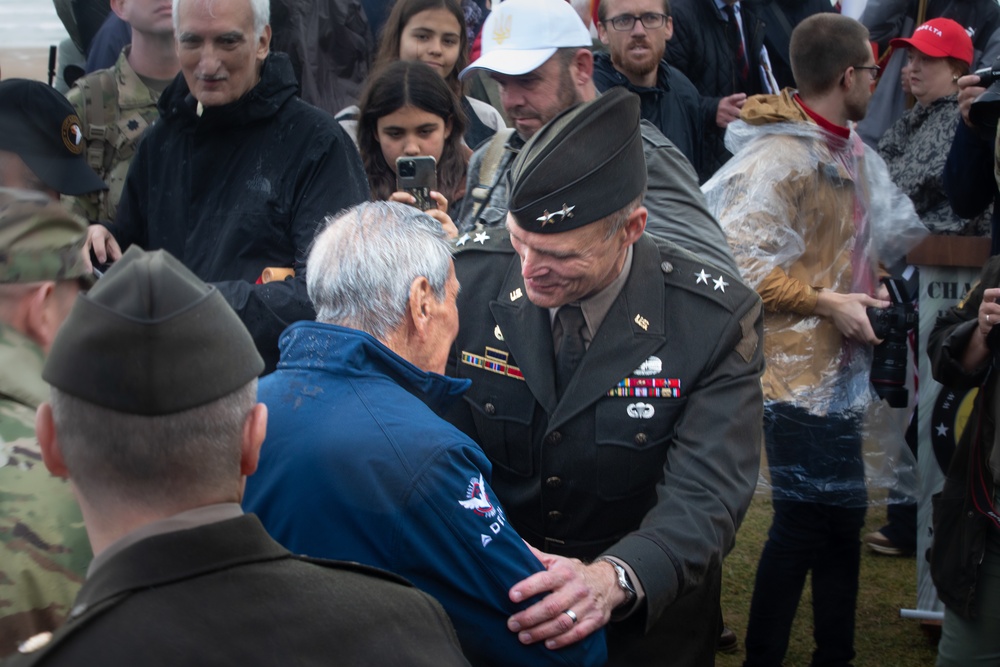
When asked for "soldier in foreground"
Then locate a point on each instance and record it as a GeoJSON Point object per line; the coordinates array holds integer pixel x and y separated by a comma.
{"type": "Point", "coordinates": [158, 448]}
{"type": "Point", "coordinates": [44, 550]}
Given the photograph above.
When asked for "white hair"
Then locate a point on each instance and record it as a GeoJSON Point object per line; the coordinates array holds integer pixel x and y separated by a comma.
{"type": "Point", "coordinates": [261, 15]}
{"type": "Point", "coordinates": [362, 264]}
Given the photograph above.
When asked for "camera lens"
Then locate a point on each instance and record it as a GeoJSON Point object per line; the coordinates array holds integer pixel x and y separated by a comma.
{"type": "Point", "coordinates": [407, 169]}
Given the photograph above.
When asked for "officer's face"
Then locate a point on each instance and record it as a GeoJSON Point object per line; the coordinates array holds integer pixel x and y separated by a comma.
{"type": "Point", "coordinates": [566, 267]}
{"type": "Point", "coordinates": [219, 54]}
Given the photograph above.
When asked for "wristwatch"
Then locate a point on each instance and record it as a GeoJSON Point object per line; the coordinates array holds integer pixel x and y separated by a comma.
{"type": "Point", "coordinates": [623, 582]}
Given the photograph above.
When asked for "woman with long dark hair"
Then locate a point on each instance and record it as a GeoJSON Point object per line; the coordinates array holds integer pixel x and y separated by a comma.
{"type": "Point", "coordinates": [408, 110]}
{"type": "Point", "coordinates": [433, 32]}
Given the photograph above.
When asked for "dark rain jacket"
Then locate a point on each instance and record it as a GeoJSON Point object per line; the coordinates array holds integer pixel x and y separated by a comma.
{"type": "Point", "coordinates": [239, 189]}
{"type": "Point", "coordinates": [672, 105]}
{"type": "Point", "coordinates": [701, 49]}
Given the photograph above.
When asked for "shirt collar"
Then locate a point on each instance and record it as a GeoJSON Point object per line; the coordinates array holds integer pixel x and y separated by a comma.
{"type": "Point", "coordinates": [200, 516]}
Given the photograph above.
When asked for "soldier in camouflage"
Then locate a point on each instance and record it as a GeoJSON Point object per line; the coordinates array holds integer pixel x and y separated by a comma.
{"type": "Point", "coordinates": [116, 105]}
{"type": "Point", "coordinates": [44, 550]}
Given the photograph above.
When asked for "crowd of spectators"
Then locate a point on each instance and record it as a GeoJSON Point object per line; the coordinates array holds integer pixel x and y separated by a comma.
{"type": "Point", "coordinates": [539, 392]}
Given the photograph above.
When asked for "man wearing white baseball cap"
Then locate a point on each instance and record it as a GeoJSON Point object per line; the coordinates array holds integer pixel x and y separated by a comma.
{"type": "Point", "coordinates": [538, 51]}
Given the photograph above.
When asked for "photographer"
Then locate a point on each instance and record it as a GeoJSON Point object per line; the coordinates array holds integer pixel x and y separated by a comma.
{"type": "Point", "coordinates": [806, 208]}
{"type": "Point", "coordinates": [965, 556]}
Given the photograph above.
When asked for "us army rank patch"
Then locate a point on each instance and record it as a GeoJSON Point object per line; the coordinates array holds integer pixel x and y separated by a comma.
{"type": "Point", "coordinates": [493, 360]}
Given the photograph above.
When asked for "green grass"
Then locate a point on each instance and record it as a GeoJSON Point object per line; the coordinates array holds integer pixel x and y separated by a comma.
{"type": "Point", "coordinates": [882, 638]}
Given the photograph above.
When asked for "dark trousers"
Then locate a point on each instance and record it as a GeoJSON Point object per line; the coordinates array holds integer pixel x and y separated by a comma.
{"type": "Point", "coordinates": [819, 510]}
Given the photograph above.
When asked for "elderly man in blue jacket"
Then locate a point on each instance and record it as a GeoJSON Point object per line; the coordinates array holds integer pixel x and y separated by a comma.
{"type": "Point", "coordinates": [358, 465]}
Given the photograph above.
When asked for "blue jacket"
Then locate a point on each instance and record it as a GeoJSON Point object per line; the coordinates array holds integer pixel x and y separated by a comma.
{"type": "Point", "coordinates": [358, 466]}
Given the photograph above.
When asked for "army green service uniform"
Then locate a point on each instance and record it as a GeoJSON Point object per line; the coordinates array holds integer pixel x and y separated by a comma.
{"type": "Point", "coordinates": [652, 454]}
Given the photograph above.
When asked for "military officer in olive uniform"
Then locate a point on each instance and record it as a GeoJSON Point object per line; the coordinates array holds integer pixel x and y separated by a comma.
{"type": "Point", "coordinates": [616, 390]}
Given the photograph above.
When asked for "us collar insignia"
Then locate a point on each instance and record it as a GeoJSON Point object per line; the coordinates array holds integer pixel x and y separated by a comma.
{"type": "Point", "coordinates": [493, 360]}
{"type": "Point", "coordinates": [547, 218]}
{"type": "Point", "coordinates": [642, 322]}
{"type": "Point", "coordinates": [516, 294]}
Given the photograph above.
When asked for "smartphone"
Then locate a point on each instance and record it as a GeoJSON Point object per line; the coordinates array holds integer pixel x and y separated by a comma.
{"type": "Point", "coordinates": [417, 176]}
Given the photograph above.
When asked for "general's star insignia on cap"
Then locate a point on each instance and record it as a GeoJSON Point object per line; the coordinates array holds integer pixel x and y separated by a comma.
{"type": "Point", "coordinates": [481, 238]}
{"type": "Point", "coordinates": [702, 277]}
{"type": "Point", "coordinates": [547, 218]}
{"type": "Point", "coordinates": [720, 284]}
{"type": "Point", "coordinates": [462, 240]}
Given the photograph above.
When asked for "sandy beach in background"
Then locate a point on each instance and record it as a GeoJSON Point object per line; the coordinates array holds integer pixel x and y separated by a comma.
{"type": "Point", "coordinates": [24, 63]}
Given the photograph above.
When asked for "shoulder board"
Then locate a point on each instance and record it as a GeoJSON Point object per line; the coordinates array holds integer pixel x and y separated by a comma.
{"type": "Point", "coordinates": [483, 239]}
{"type": "Point", "coordinates": [687, 271]}
{"type": "Point", "coordinates": [359, 568]}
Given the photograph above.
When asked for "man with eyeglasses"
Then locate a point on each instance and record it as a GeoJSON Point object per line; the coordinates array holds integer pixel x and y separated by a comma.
{"type": "Point", "coordinates": [635, 33]}
{"type": "Point", "coordinates": [808, 209]}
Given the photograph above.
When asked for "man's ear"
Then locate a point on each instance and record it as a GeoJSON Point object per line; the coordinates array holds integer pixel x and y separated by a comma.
{"type": "Point", "coordinates": [582, 67]}
{"type": "Point", "coordinates": [264, 44]}
{"type": "Point", "coordinates": [420, 304]}
{"type": "Point", "coordinates": [45, 431]}
{"type": "Point", "coordinates": [40, 323]}
{"type": "Point", "coordinates": [118, 7]}
{"type": "Point", "coordinates": [602, 33]}
{"type": "Point", "coordinates": [635, 225]}
{"type": "Point", "coordinates": [254, 432]}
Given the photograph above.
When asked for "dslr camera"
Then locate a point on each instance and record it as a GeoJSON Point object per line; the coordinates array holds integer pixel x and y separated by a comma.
{"type": "Point", "coordinates": [985, 110]}
{"type": "Point", "coordinates": [988, 75]}
{"type": "Point", "coordinates": [892, 325]}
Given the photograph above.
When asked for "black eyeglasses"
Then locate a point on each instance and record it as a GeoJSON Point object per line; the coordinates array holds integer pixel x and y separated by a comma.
{"type": "Point", "coordinates": [650, 21]}
{"type": "Point", "coordinates": [874, 70]}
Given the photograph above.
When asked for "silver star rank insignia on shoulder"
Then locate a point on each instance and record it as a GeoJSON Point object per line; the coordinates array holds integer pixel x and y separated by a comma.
{"type": "Point", "coordinates": [702, 277]}
{"type": "Point", "coordinates": [481, 238]}
{"type": "Point", "coordinates": [720, 284]}
{"type": "Point", "coordinates": [462, 240]}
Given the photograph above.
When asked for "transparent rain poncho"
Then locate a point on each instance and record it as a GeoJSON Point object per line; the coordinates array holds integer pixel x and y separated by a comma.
{"type": "Point", "coordinates": [804, 209]}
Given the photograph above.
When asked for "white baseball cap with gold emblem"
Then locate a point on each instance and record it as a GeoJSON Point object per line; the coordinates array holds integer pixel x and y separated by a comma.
{"type": "Point", "coordinates": [520, 35]}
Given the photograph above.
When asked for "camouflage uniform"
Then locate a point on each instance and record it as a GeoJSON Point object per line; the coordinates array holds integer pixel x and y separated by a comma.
{"type": "Point", "coordinates": [44, 551]}
{"type": "Point", "coordinates": [115, 107]}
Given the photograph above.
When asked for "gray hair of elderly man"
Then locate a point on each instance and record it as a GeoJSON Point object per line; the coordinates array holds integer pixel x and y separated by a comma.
{"type": "Point", "coordinates": [364, 261]}
{"type": "Point", "coordinates": [261, 15]}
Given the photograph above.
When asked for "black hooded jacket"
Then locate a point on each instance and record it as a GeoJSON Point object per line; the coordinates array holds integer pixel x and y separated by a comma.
{"type": "Point", "coordinates": [239, 189]}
